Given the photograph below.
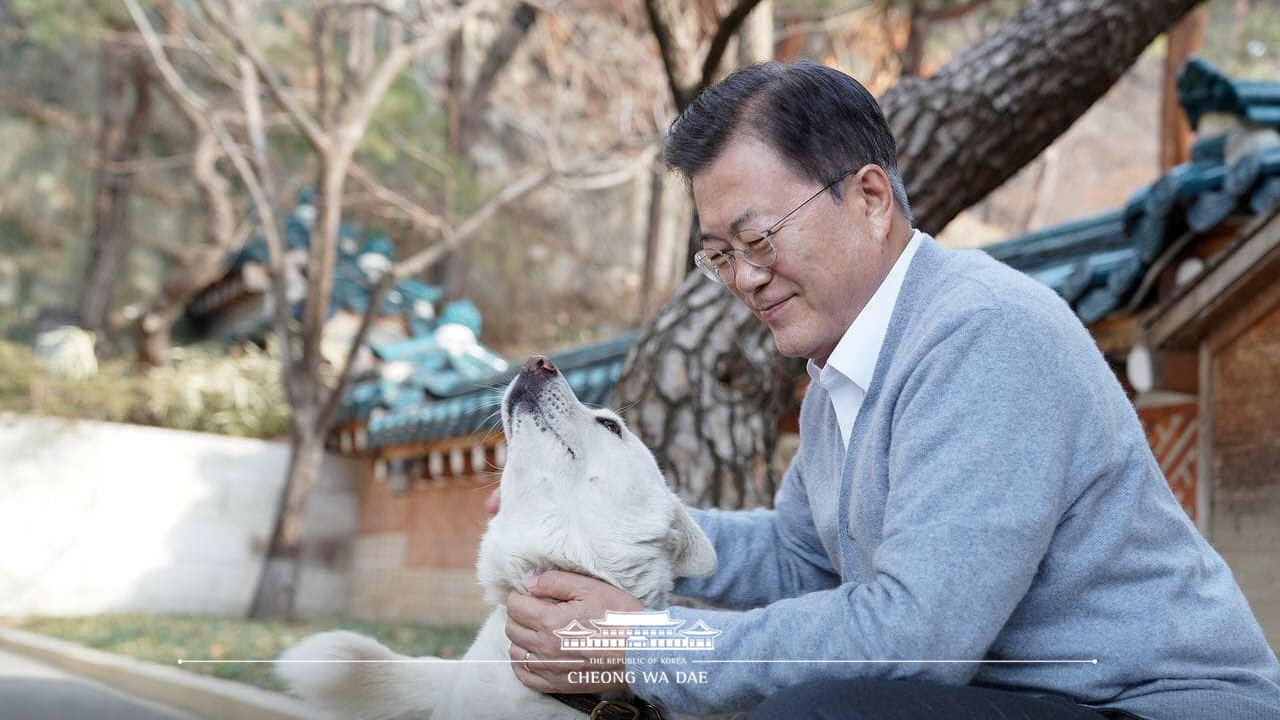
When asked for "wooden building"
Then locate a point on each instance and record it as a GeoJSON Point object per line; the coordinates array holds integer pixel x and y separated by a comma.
{"type": "Point", "coordinates": [1181, 289]}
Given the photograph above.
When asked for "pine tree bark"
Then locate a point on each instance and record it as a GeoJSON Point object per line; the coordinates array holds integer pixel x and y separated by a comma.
{"type": "Point", "coordinates": [707, 388]}
{"type": "Point", "coordinates": [704, 386]}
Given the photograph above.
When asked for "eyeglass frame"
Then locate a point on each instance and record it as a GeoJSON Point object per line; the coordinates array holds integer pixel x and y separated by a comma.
{"type": "Point", "coordinates": [702, 258]}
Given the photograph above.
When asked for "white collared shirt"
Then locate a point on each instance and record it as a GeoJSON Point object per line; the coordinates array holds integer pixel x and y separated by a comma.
{"type": "Point", "coordinates": [848, 371]}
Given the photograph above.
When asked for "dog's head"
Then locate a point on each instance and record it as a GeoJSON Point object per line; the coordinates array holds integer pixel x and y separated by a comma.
{"type": "Point", "coordinates": [581, 492]}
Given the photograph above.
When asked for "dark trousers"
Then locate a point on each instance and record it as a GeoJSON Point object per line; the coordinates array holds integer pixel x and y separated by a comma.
{"type": "Point", "coordinates": [904, 700]}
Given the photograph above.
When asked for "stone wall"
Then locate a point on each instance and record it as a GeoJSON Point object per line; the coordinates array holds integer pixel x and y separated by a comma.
{"type": "Point", "coordinates": [104, 517]}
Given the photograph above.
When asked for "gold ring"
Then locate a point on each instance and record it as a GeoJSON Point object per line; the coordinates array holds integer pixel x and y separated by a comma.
{"type": "Point", "coordinates": [526, 662]}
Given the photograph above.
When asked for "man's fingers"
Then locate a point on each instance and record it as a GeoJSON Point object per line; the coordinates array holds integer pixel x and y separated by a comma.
{"type": "Point", "coordinates": [527, 623]}
{"type": "Point", "coordinates": [524, 637]}
{"type": "Point", "coordinates": [524, 610]}
{"type": "Point", "coordinates": [525, 666]}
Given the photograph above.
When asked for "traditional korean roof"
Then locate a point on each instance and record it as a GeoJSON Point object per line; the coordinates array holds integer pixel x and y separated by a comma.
{"type": "Point", "coordinates": [430, 353]}
{"type": "Point", "coordinates": [1203, 89]}
{"type": "Point", "coordinates": [1107, 264]}
{"type": "Point", "coordinates": [430, 405]}
{"type": "Point", "coordinates": [361, 261]}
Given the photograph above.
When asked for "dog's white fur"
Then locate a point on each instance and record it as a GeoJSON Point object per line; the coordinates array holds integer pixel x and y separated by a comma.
{"type": "Point", "coordinates": [575, 496]}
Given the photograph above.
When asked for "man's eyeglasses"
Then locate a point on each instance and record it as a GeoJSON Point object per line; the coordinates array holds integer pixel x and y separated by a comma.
{"type": "Point", "coordinates": [754, 246]}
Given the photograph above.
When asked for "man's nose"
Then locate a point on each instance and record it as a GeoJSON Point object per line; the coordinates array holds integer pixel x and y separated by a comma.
{"type": "Point", "coordinates": [748, 277]}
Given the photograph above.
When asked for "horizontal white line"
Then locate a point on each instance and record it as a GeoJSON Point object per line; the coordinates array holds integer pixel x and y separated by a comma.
{"type": "Point", "coordinates": [534, 661]}
{"type": "Point", "coordinates": [1092, 662]}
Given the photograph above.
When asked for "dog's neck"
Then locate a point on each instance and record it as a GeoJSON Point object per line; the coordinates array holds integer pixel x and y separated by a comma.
{"type": "Point", "coordinates": [509, 560]}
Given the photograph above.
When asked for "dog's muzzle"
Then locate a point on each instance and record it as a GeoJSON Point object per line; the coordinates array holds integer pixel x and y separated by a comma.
{"type": "Point", "coordinates": [533, 377]}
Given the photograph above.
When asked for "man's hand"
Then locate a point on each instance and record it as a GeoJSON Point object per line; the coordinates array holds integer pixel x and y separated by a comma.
{"type": "Point", "coordinates": [533, 619]}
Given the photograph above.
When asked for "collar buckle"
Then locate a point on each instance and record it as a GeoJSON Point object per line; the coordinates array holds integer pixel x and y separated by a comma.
{"type": "Point", "coordinates": [597, 713]}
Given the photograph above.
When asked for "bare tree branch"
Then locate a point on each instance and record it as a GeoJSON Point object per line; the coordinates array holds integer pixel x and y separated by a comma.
{"type": "Point", "coordinates": [196, 109]}
{"type": "Point", "coordinates": [191, 104]}
{"type": "Point", "coordinates": [239, 38]}
{"type": "Point", "coordinates": [675, 49]}
{"type": "Point", "coordinates": [375, 87]}
{"type": "Point", "coordinates": [720, 41]}
{"type": "Point", "coordinates": [36, 109]}
{"type": "Point", "coordinates": [418, 215]}
{"type": "Point", "coordinates": [500, 53]}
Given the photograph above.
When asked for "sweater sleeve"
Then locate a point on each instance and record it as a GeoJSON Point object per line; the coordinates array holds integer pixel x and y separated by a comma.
{"type": "Point", "coordinates": [982, 437]}
{"type": "Point", "coordinates": [763, 555]}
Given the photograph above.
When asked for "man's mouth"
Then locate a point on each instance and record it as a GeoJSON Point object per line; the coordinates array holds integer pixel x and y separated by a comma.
{"type": "Point", "coordinates": [772, 311]}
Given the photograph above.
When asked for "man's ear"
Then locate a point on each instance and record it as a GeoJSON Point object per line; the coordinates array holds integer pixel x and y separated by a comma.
{"type": "Point", "coordinates": [691, 552]}
{"type": "Point", "coordinates": [873, 182]}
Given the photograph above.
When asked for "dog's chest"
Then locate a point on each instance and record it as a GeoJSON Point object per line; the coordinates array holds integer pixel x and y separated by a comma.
{"type": "Point", "coordinates": [485, 687]}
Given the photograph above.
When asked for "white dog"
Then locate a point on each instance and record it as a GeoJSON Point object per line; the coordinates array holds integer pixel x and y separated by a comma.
{"type": "Point", "coordinates": [579, 492]}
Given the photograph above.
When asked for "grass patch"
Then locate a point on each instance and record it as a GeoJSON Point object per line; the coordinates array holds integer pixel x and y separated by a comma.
{"type": "Point", "coordinates": [166, 638]}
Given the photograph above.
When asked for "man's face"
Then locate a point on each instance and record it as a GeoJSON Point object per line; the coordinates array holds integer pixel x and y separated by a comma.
{"type": "Point", "coordinates": [830, 259]}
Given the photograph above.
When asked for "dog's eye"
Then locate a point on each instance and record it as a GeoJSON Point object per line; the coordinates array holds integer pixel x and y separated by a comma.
{"type": "Point", "coordinates": [611, 425]}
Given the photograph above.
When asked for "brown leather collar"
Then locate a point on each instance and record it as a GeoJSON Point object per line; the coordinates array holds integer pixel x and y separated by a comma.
{"type": "Point", "coordinates": [597, 708]}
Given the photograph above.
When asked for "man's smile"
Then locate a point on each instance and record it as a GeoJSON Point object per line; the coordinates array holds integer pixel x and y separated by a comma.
{"type": "Point", "coordinates": [772, 311]}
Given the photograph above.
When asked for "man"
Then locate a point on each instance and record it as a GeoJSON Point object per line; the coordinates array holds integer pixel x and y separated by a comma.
{"type": "Point", "coordinates": [974, 525]}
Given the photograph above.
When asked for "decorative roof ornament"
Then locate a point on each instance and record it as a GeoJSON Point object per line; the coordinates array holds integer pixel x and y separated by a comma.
{"type": "Point", "coordinates": [1108, 263]}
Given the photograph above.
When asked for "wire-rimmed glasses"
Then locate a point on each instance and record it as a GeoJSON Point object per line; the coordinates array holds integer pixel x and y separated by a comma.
{"type": "Point", "coordinates": [754, 246]}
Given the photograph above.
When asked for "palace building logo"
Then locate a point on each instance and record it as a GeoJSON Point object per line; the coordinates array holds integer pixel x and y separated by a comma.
{"type": "Point", "coordinates": [645, 630]}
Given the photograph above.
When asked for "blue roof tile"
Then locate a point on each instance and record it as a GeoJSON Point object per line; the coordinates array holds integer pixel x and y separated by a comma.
{"type": "Point", "coordinates": [1097, 264]}
{"type": "Point", "coordinates": [471, 405]}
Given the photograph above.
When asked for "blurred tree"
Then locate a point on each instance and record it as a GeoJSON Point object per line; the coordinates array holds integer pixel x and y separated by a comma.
{"type": "Point", "coordinates": [111, 122]}
{"type": "Point", "coordinates": [125, 105]}
{"type": "Point", "coordinates": [357, 51]}
{"type": "Point", "coordinates": [347, 56]}
{"type": "Point", "coordinates": [920, 17]}
{"type": "Point", "coordinates": [201, 263]}
{"type": "Point", "coordinates": [714, 422]}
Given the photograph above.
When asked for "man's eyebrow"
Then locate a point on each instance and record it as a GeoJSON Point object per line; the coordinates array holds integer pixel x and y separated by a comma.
{"type": "Point", "coordinates": [734, 227]}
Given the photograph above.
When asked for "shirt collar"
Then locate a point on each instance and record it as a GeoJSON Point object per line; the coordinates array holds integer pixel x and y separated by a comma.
{"type": "Point", "coordinates": [854, 357]}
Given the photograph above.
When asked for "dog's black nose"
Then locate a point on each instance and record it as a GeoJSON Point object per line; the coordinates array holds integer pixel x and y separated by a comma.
{"type": "Point", "coordinates": [538, 364]}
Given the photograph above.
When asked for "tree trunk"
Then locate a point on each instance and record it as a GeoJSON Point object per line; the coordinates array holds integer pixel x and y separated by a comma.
{"type": "Point", "coordinates": [911, 58]}
{"type": "Point", "coordinates": [202, 268]}
{"type": "Point", "coordinates": [703, 387]}
{"type": "Point", "coordinates": [278, 585]}
{"type": "Point", "coordinates": [455, 57]}
{"type": "Point", "coordinates": [652, 240]}
{"type": "Point", "coordinates": [755, 39]}
{"type": "Point", "coordinates": [118, 143]}
{"type": "Point", "coordinates": [499, 55]}
{"type": "Point", "coordinates": [990, 111]}
{"type": "Point", "coordinates": [961, 133]}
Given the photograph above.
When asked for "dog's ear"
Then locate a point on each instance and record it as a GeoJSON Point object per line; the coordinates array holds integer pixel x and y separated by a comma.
{"type": "Point", "coordinates": [692, 554]}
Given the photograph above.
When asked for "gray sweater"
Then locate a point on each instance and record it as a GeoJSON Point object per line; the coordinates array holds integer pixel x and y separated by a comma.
{"type": "Point", "coordinates": [998, 501]}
